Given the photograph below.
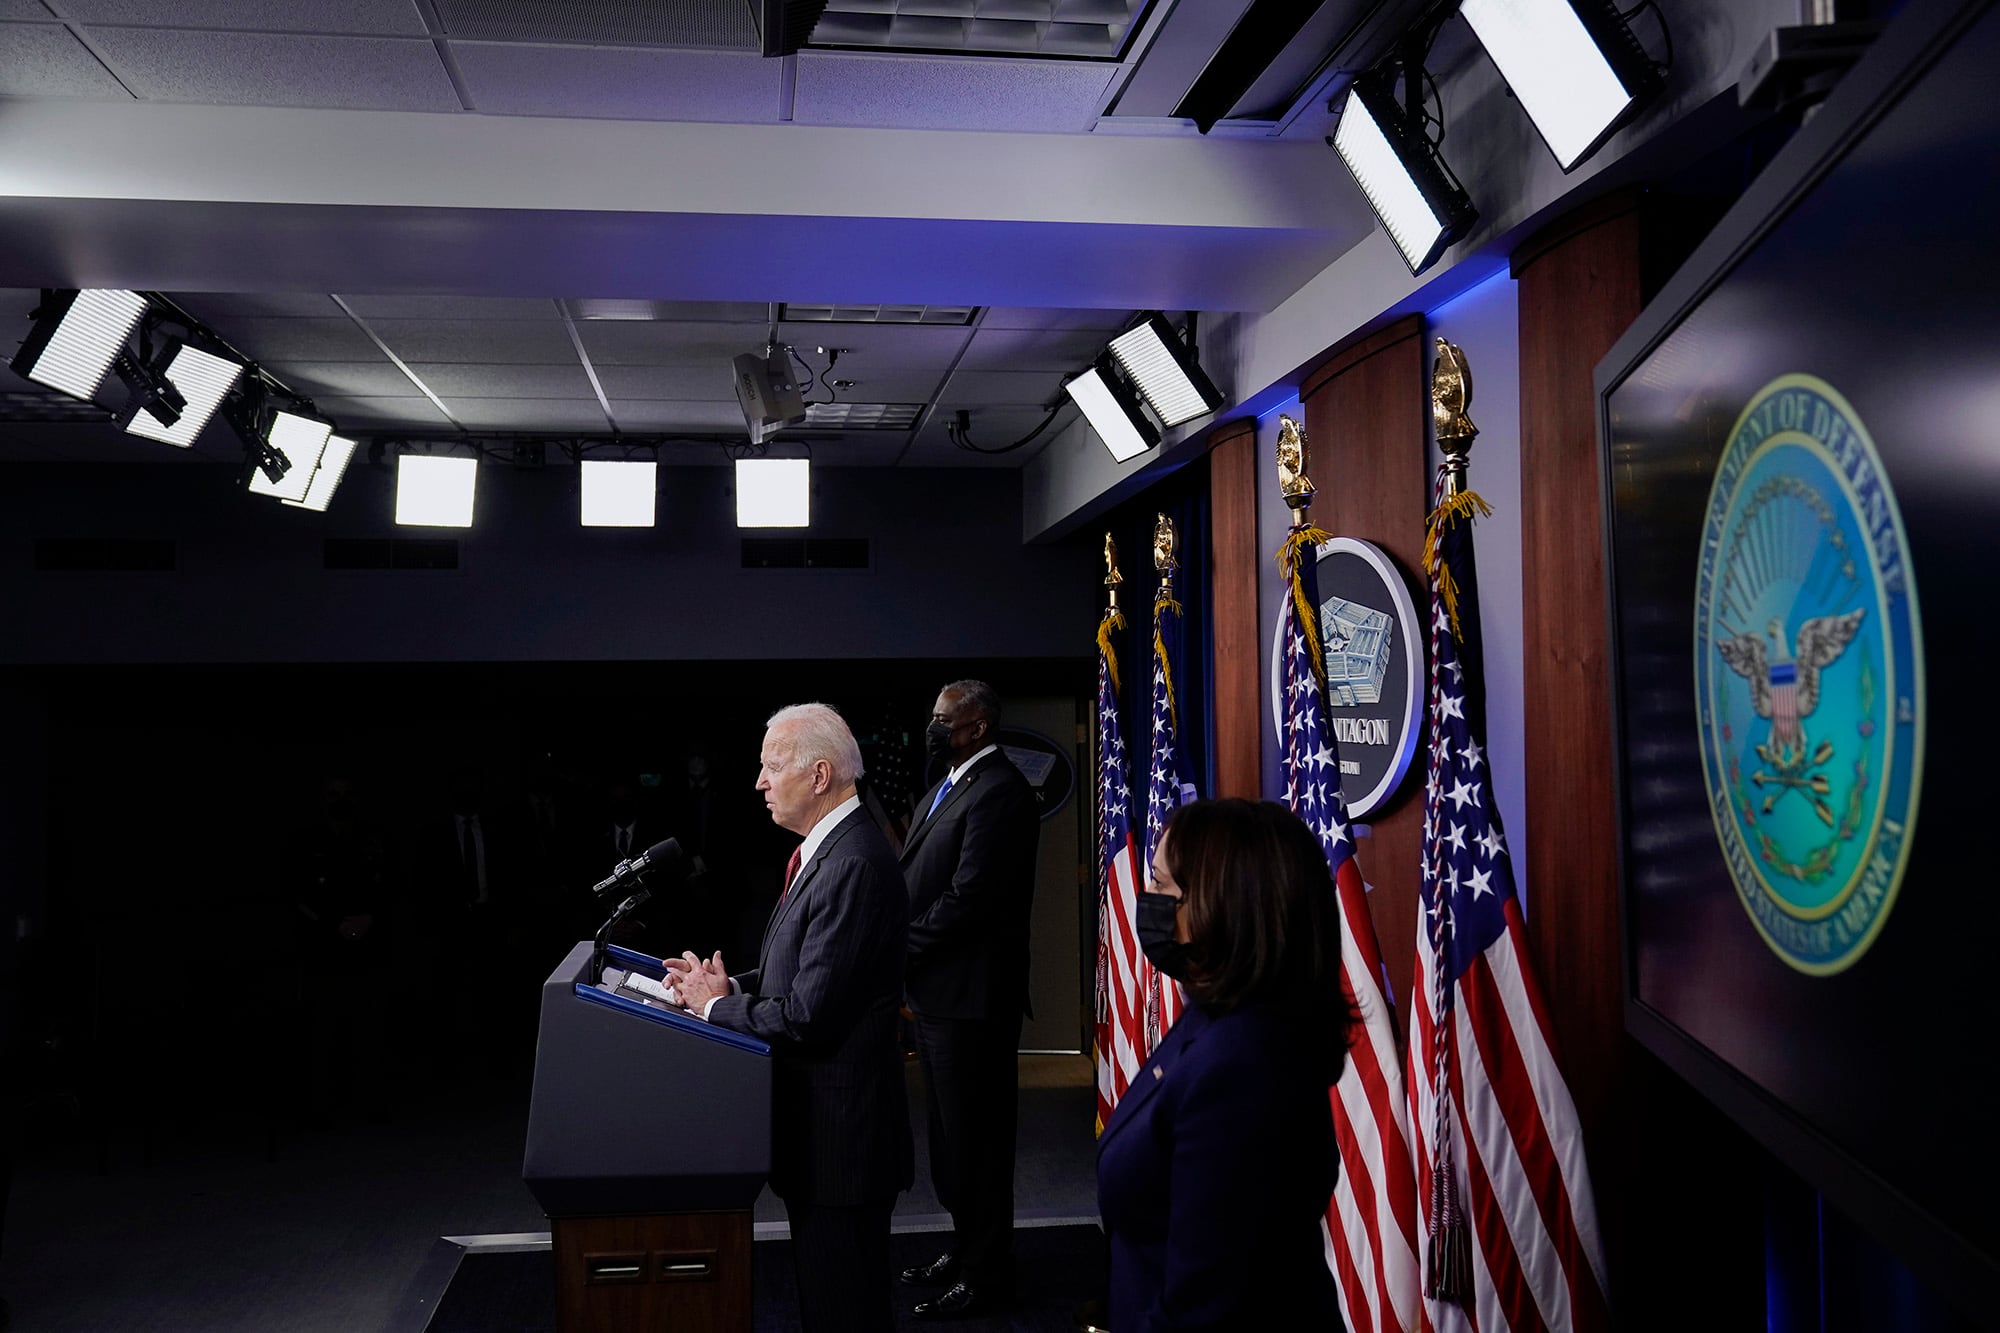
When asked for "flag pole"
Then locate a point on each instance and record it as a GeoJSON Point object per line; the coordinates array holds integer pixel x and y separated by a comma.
{"type": "Point", "coordinates": [1447, 1251]}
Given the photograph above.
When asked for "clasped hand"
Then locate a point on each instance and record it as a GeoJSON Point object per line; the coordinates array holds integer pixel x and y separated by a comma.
{"type": "Point", "coordinates": [696, 980]}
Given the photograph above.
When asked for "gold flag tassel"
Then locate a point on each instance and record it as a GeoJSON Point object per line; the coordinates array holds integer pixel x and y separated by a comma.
{"type": "Point", "coordinates": [1464, 505]}
{"type": "Point", "coordinates": [1303, 544]}
{"type": "Point", "coordinates": [1113, 621]}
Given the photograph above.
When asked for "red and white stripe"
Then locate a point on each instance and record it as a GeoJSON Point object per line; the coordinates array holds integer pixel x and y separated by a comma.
{"type": "Point", "coordinates": [1129, 976]}
{"type": "Point", "coordinates": [1371, 1222]}
{"type": "Point", "coordinates": [1537, 1254]}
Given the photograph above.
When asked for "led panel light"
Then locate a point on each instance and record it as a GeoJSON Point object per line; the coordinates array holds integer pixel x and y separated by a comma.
{"type": "Point", "coordinates": [1414, 197]}
{"type": "Point", "coordinates": [773, 492]}
{"type": "Point", "coordinates": [619, 493]}
{"type": "Point", "coordinates": [204, 381]}
{"type": "Point", "coordinates": [435, 490]}
{"type": "Point", "coordinates": [75, 338]}
{"type": "Point", "coordinates": [1573, 64]}
{"type": "Point", "coordinates": [1113, 412]}
{"type": "Point", "coordinates": [301, 439]}
{"type": "Point", "coordinates": [326, 477]}
{"type": "Point", "coordinates": [1170, 380]}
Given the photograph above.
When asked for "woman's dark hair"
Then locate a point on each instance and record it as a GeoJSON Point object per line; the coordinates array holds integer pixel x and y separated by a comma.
{"type": "Point", "coordinates": [1262, 917]}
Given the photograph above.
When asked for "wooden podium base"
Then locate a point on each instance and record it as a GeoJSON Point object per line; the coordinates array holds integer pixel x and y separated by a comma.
{"type": "Point", "coordinates": [664, 1271]}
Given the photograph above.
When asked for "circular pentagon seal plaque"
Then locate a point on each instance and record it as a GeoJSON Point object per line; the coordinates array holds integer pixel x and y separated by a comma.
{"type": "Point", "coordinates": [1809, 675]}
{"type": "Point", "coordinates": [1374, 653]}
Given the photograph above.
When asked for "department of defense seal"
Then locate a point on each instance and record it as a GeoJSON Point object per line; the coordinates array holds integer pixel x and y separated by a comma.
{"type": "Point", "coordinates": [1809, 675]}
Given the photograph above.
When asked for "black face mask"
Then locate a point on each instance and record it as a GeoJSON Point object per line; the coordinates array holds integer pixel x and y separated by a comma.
{"type": "Point", "coordinates": [1156, 935]}
{"type": "Point", "coordinates": [937, 740]}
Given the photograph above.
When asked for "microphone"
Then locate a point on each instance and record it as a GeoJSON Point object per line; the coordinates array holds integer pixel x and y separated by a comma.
{"type": "Point", "coordinates": [657, 857]}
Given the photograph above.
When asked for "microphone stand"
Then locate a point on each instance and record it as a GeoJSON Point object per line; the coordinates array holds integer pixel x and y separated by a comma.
{"type": "Point", "coordinates": [622, 911]}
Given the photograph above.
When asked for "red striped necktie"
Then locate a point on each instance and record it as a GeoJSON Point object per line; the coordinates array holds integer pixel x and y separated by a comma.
{"type": "Point", "coordinates": [791, 869]}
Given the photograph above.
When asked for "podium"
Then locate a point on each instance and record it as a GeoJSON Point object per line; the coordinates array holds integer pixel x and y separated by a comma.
{"type": "Point", "coordinates": [649, 1137]}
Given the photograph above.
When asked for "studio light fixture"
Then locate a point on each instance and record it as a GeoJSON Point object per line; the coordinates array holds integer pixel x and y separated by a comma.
{"type": "Point", "coordinates": [1113, 410]}
{"type": "Point", "coordinates": [201, 379]}
{"type": "Point", "coordinates": [301, 441]}
{"type": "Point", "coordinates": [435, 490]}
{"type": "Point", "coordinates": [326, 477]}
{"type": "Point", "coordinates": [773, 492]}
{"type": "Point", "coordinates": [1165, 372]}
{"type": "Point", "coordinates": [1574, 66]}
{"type": "Point", "coordinates": [619, 493]}
{"type": "Point", "coordinates": [1413, 194]}
{"type": "Point", "coordinates": [75, 338]}
{"type": "Point", "coordinates": [149, 395]}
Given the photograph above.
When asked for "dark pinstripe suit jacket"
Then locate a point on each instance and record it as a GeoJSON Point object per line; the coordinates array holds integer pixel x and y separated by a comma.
{"type": "Point", "coordinates": [825, 994]}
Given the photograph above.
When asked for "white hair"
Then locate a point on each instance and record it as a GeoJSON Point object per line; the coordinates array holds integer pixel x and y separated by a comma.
{"type": "Point", "coordinates": [812, 732]}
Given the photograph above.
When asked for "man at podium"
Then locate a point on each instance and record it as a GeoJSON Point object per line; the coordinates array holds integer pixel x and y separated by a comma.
{"type": "Point", "coordinates": [825, 994]}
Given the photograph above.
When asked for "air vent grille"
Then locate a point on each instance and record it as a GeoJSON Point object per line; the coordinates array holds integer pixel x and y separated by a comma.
{"type": "Point", "coordinates": [864, 416]}
{"type": "Point", "coordinates": [877, 314]}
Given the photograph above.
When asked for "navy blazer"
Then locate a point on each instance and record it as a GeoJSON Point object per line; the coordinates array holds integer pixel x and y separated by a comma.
{"type": "Point", "coordinates": [1213, 1176]}
{"type": "Point", "coordinates": [826, 993]}
{"type": "Point", "coordinates": [970, 866]}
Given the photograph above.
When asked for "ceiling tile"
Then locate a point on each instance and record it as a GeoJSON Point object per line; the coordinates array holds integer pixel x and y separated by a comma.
{"type": "Point", "coordinates": [632, 343]}
{"type": "Point", "coordinates": [44, 60]}
{"type": "Point", "coordinates": [383, 413]}
{"type": "Point", "coordinates": [1033, 349]}
{"type": "Point", "coordinates": [239, 69]}
{"type": "Point", "coordinates": [710, 312]}
{"type": "Point", "coordinates": [25, 9]}
{"type": "Point", "coordinates": [386, 18]}
{"type": "Point", "coordinates": [900, 346]}
{"type": "Point", "coordinates": [451, 307]}
{"type": "Point", "coordinates": [217, 307]}
{"type": "Point", "coordinates": [883, 386]}
{"type": "Point", "coordinates": [300, 340]}
{"type": "Point", "coordinates": [494, 342]}
{"type": "Point", "coordinates": [698, 23]}
{"type": "Point", "coordinates": [345, 379]}
{"type": "Point", "coordinates": [711, 382]}
{"type": "Point", "coordinates": [1049, 317]}
{"type": "Point", "coordinates": [608, 83]}
{"type": "Point", "coordinates": [1001, 387]}
{"type": "Point", "coordinates": [921, 92]}
{"type": "Point", "coordinates": [529, 414]}
{"type": "Point", "coordinates": [451, 382]}
{"type": "Point", "coordinates": [699, 418]}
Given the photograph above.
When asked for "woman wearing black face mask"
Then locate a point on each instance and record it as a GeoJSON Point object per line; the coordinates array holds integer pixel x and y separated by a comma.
{"type": "Point", "coordinates": [1216, 1167]}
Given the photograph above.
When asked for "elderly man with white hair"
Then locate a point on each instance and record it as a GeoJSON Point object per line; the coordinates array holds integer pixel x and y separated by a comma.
{"type": "Point", "coordinates": [826, 993]}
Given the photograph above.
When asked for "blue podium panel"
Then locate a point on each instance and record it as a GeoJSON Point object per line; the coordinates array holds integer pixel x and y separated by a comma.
{"type": "Point", "coordinates": [612, 1127]}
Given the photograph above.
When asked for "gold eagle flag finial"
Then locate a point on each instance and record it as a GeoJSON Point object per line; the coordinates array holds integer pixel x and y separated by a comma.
{"type": "Point", "coordinates": [1451, 396]}
{"type": "Point", "coordinates": [1293, 482]}
{"type": "Point", "coordinates": [1163, 555]}
{"type": "Point", "coordinates": [1112, 578]}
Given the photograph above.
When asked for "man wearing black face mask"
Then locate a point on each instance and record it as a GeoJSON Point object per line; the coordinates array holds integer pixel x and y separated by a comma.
{"type": "Point", "coordinates": [969, 863]}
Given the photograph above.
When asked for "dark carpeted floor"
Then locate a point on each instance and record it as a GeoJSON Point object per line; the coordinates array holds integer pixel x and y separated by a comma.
{"type": "Point", "coordinates": [1061, 1267]}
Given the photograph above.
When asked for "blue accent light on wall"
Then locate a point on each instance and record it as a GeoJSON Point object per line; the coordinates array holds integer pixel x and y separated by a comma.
{"type": "Point", "coordinates": [1482, 287]}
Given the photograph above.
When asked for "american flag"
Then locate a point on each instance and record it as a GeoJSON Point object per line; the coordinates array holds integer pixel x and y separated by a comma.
{"type": "Point", "coordinates": [1167, 788]}
{"type": "Point", "coordinates": [1122, 970]}
{"type": "Point", "coordinates": [1510, 1221]}
{"type": "Point", "coordinates": [1372, 1218]}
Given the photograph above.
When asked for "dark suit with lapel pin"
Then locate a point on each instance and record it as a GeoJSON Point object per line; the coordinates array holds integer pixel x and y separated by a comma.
{"type": "Point", "coordinates": [1212, 1176]}
{"type": "Point", "coordinates": [825, 994]}
{"type": "Point", "coordinates": [970, 867]}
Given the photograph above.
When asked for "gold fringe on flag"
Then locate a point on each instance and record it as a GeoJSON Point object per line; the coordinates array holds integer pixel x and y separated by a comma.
{"type": "Point", "coordinates": [1305, 540]}
{"type": "Point", "coordinates": [1166, 603]}
{"type": "Point", "coordinates": [1113, 620]}
{"type": "Point", "coordinates": [1457, 507]}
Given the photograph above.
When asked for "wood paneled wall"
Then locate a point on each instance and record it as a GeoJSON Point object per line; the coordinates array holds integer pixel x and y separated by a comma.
{"type": "Point", "coordinates": [1579, 290]}
{"type": "Point", "coordinates": [1233, 564]}
{"type": "Point", "coordinates": [1366, 411]}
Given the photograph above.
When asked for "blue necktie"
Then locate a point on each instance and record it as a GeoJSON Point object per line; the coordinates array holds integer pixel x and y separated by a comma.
{"type": "Point", "coordinates": [939, 800]}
